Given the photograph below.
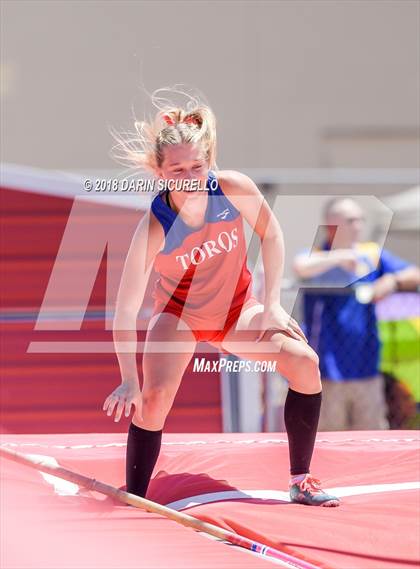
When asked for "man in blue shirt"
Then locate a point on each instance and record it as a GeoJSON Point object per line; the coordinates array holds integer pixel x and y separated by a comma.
{"type": "Point", "coordinates": [341, 325]}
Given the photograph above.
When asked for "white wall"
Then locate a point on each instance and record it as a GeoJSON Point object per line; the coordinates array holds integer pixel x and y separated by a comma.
{"type": "Point", "coordinates": [289, 81]}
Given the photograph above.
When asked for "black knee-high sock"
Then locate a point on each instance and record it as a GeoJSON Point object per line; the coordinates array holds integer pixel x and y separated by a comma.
{"type": "Point", "coordinates": [301, 416]}
{"type": "Point", "coordinates": [143, 449]}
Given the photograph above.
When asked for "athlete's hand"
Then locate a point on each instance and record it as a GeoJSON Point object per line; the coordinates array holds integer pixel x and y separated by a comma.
{"type": "Point", "coordinates": [125, 395]}
{"type": "Point", "coordinates": [275, 317]}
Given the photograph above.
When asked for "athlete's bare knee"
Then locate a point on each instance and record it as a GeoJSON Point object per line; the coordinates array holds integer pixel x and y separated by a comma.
{"type": "Point", "coordinates": [156, 404]}
{"type": "Point", "coordinates": [155, 398]}
{"type": "Point", "coordinates": [312, 360]}
{"type": "Point", "coordinates": [303, 370]}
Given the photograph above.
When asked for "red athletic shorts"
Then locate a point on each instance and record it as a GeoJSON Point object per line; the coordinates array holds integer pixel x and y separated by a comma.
{"type": "Point", "coordinates": [216, 336]}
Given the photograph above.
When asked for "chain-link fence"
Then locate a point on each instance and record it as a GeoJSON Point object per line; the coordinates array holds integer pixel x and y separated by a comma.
{"type": "Point", "coordinates": [369, 359]}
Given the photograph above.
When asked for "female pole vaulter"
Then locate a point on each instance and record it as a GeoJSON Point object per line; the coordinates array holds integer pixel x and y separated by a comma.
{"type": "Point", "coordinates": [193, 237]}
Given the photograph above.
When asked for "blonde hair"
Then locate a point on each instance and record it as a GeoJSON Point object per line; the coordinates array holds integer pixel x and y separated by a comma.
{"type": "Point", "coordinates": [194, 123]}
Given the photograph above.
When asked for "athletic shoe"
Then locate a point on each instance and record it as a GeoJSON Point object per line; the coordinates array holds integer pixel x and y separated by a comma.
{"type": "Point", "coordinates": [309, 492]}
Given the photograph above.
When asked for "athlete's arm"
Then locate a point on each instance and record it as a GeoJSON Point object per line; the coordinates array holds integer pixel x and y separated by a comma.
{"type": "Point", "coordinates": [146, 243]}
{"type": "Point", "coordinates": [247, 198]}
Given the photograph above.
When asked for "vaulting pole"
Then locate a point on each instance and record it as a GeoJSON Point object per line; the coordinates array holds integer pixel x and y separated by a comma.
{"type": "Point", "coordinates": [286, 560]}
